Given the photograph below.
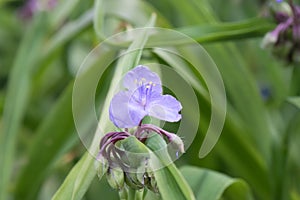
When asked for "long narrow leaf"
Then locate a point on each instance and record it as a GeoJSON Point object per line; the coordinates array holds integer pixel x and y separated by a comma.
{"type": "Point", "coordinates": [171, 184]}
{"type": "Point", "coordinates": [210, 185]}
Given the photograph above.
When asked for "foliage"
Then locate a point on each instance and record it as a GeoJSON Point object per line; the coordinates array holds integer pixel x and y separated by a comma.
{"type": "Point", "coordinates": [256, 156]}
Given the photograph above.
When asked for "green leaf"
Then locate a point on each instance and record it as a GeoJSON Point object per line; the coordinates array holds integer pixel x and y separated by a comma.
{"type": "Point", "coordinates": [133, 145]}
{"type": "Point", "coordinates": [208, 33]}
{"type": "Point", "coordinates": [210, 185]}
{"type": "Point", "coordinates": [171, 184]}
{"type": "Point", "coordinates": [62, 11]}
{"type": "Point", "coordinates": [227, 31]}
{"type": "Point", "coordinates": [79, 179]}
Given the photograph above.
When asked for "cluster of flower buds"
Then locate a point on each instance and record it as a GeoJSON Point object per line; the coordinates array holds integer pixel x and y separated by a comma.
{"type": "Point", "coordinates": [284, 40]}
{"type": "Point", "coordinates": [125, 156]}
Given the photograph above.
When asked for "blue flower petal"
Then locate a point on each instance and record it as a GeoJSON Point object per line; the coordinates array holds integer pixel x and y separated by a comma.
{"type": "Point", "coordinates": [125, 113]}
{"type": "Point", "coordinates": [139, 76]}
{"type": "Point", "coordinates": [164, 107]}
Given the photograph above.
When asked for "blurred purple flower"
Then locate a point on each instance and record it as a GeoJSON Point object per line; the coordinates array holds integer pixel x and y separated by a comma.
{"type": "Point", "coordinates": [33, 6]}
{"type": "Point", "coordinates": [285, 38]}
{"type": "Point", "coordinates": [143, 97]}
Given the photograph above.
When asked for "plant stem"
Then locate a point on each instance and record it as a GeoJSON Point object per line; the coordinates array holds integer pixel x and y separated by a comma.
{"type": "Point", "coordinates": [139, 194]}
{"type": "Point", "coordinates": [131, 194]}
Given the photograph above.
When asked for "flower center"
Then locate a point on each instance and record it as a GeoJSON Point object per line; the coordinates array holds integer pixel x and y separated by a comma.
{"type": "Point", "coordinates": [144, 90]}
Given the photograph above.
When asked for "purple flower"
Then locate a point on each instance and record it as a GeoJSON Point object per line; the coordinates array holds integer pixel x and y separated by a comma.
{"type": "Point", "coordinates": [143, 97]}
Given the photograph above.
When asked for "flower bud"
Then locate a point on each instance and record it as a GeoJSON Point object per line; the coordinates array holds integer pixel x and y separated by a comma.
{"type": "Point", "coordinates": [177, 142]}
{"type": "Point", "coordinates": [115, 178]}
{"type": "Point", "coordinates": [132, 181]}
{"type": "Point", "coordinates": [150, 182]}
{"type": "Point", "coordinates": [281, 7]}
{"type": "Point", "coordinates": [285, 38]}
{"type": "Point", "coordinates": [141, 174]}
{"type": "Point", "coordinates": [269, 40]}
{"type": "Point", "coordinates": [101, 166]}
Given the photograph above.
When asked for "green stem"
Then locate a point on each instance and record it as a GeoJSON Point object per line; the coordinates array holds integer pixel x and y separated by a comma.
{"type": "Point", "coordinates": [131, 194]}
{"type": "Point", "coordinates": [135, 194]}
{"type": "Point", "coordinates": [139, 194]}
{"type": "Point", "coordinates": [123, 193]}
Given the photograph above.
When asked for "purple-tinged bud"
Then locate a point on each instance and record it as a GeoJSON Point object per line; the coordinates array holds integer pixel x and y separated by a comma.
{"type": "Point", "coordinates": [284, 40]}
{"type": "Point", "coordinates": [281, 17]}
{"type": "Point", "coordinates": [281, 7]}
{"type": "Point", "coordinates": [177, 142]}
{"type": "Point", "coordinates": [269, 40]}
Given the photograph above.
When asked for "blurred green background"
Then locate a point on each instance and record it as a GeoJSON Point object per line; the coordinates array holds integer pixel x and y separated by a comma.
{"type": "Point", "coordinates": [42, 47]}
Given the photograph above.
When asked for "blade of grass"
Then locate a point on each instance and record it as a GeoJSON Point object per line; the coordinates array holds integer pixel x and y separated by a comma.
{"type": "Point", "coordinates": [64, 35]}
{"type": "Point", "coordinates": [61, 12]}
{"type": "Point", "coordinates": [250, 28]}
